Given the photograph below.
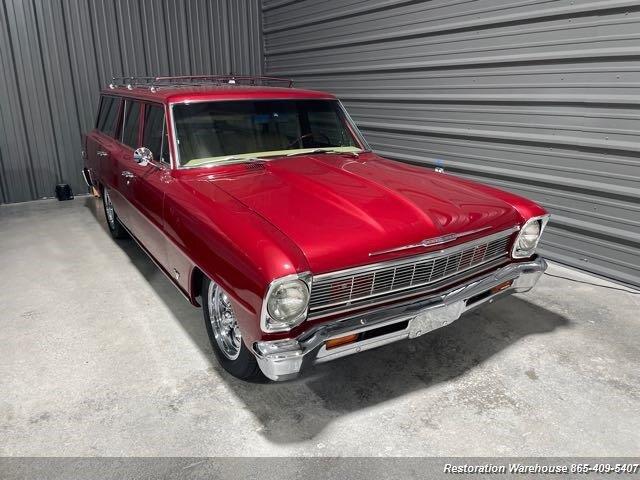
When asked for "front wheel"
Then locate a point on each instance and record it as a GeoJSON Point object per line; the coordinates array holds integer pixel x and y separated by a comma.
{"type": "Point", "coordinates": [224, 334]}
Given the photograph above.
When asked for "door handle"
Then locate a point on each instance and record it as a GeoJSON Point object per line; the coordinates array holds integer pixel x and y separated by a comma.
{"type": "Point", "coordinates": [101, 153]}
{"type": "Point", "coordinates": [127, 174]}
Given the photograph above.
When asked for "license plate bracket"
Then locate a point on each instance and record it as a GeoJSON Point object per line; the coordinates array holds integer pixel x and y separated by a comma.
{"type": "Point", "coordinates": [436, 317]}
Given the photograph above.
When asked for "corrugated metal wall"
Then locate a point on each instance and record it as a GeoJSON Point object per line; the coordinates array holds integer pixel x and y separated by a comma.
{"type": "Point", "coordinates": [538, 97]}
{"type": "Point", "coordinates": [56, 54]}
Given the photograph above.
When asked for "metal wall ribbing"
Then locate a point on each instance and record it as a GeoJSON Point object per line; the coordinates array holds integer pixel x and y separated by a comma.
{"type": "Point", "coordinates": [538, 97]}
{"type": "Point", "coordinates": [56, 54]}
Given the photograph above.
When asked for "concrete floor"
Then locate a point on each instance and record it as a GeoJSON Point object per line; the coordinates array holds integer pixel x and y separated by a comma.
{"type": "Point", "coordinates": [100, 355]}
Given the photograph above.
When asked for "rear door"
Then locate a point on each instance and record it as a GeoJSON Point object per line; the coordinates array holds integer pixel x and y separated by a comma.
{"type": "Point", "coordinates": [92, 140]}
{"type": "Point", "coordinates": [125, 166]}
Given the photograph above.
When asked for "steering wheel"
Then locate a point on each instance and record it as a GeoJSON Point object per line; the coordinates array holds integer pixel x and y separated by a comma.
{"type": "Point", "coordinates": [307, 135]}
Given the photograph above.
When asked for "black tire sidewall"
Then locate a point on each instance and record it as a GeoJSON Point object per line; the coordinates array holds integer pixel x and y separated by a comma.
{"type": "Point", "coordinates": [117, 231]}
{"type": "Point", "coordinates": [245, 366]}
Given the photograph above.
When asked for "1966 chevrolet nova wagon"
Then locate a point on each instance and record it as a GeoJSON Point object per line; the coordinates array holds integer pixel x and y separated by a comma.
{"type": "Point", "coordinates": [264, 205]}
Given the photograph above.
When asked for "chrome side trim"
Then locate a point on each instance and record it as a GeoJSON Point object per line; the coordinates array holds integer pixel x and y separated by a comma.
{"type": "Point", "coordinates": [174, 245]}
{"type": "Point", "coordinates": [157, 263]}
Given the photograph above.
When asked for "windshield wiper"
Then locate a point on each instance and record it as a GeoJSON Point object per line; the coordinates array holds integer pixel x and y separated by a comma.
{"type": "Point", "coordinates": [323, 150]}
{"type": "Point", "coordinates": [234, 159]}
{"type": "Point", "coordinates": [231, 159]}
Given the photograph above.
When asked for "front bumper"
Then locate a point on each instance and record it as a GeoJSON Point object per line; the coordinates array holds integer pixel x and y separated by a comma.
{"type": "Point", "coordinates": [284, 359]}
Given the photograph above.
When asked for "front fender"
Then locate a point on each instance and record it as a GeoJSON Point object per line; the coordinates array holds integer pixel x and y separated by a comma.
{"type": "Point", "coordinates": [231, 244]}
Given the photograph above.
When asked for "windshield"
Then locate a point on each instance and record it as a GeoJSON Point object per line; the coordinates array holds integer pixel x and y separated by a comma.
{"type": "Point", "coordinates": [234, 130]}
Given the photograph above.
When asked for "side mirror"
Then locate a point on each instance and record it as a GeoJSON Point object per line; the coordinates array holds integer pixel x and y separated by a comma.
{"type": "Point", "coordinates": [142, 156]}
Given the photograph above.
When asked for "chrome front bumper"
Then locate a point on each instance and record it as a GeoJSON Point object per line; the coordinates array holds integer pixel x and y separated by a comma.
{"type": "Point", "coordinates": [284, 359]}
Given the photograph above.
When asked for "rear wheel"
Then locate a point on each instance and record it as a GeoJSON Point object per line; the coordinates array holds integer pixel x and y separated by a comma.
{"type": "Point", "coordinates": [115, 227]}
{"type": "Point", "coordinates": [225, 336]}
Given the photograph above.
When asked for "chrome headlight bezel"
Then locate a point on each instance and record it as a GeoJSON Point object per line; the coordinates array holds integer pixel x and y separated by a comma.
{"type": "Point", "coordinates": [268, 323]}
{"type": "Point", "coordinates": [516, 251]}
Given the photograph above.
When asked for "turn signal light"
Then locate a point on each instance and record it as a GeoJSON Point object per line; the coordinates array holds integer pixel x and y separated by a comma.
{"type": "Point", "coordinates": [501, 287]}
{"type": "Point", "coordinates": [338, 342]}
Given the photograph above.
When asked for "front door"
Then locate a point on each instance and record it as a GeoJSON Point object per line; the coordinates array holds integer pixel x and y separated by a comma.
{"type": "Point", "coordinates": [143, 184]}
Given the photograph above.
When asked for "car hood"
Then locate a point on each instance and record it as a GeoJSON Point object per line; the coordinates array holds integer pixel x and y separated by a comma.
{"type": "Point", "coordinates": [344, 211]}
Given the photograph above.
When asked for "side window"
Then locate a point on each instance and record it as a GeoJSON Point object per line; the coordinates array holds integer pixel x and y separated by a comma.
{"type": "Point", "coordinates": [154, 135]}
{"type": "Point", "coordinates": [131, 124]}
{"type": "Point", "coordinates": [108, 116]}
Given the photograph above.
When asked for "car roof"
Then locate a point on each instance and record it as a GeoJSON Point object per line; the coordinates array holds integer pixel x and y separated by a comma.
{"type": "Point", "coordinates": [181, 94]}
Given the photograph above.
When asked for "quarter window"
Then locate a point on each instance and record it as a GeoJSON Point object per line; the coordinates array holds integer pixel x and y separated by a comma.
{"type": "Point", "coordinates": [154, 135]}
{"type": "Point", "coordinates": [131, 124]}
{"type": "Point", "coordinates": [108, 116]}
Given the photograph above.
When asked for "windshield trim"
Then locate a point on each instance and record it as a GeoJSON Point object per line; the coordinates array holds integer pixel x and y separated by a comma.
{"type": "Point", "coordinates": [353, 128]}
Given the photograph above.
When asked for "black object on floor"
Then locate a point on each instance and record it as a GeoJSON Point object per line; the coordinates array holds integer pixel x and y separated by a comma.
{"type": "Point", "coordinates": [63, 192]}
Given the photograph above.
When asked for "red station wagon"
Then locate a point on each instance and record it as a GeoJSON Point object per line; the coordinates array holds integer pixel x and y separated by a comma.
{"type": "Point", "coordinates": [265, 205]}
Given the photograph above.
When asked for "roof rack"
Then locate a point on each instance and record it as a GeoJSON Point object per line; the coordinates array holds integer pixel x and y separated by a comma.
{"type": "Point", "coordinates": [153, 83]}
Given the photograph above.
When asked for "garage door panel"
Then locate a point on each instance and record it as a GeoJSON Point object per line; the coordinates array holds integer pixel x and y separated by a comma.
{"type": "Point", "coordinates": [541, 98]}
{"type": "Point", "coordinates": [586, 170]}
{"type": "Point", "coordinates": [491, 120]}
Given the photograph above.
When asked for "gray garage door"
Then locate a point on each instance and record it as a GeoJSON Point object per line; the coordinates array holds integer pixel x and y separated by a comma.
{"type": "Point", "coordinates": [538, 97]}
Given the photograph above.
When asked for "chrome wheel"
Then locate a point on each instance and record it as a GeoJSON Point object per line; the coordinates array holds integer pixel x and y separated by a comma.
{"type": "Point", "coordinates": [108, 209]}
{"type": "Point", "coordinates": [223, 322]}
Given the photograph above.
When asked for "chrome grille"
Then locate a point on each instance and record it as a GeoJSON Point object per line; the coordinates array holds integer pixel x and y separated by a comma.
{"type": "Point", "coordinates": [352, 286]}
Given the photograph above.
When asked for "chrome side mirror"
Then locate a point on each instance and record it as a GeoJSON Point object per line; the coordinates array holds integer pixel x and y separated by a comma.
{"type": "Point", "coordinates": [142, 156]}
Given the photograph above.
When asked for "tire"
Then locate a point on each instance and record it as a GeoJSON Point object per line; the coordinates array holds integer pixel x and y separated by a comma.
{"type": "Point", "coordinates": [224, 334]}
{"type": "Point", "coordinates": [116, 229]}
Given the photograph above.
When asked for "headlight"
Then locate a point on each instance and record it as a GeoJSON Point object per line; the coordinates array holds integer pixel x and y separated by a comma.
{"type": "Point", "coordinates": [286, 304]}
{"type": "Point", "coordinates": [529, 236]}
